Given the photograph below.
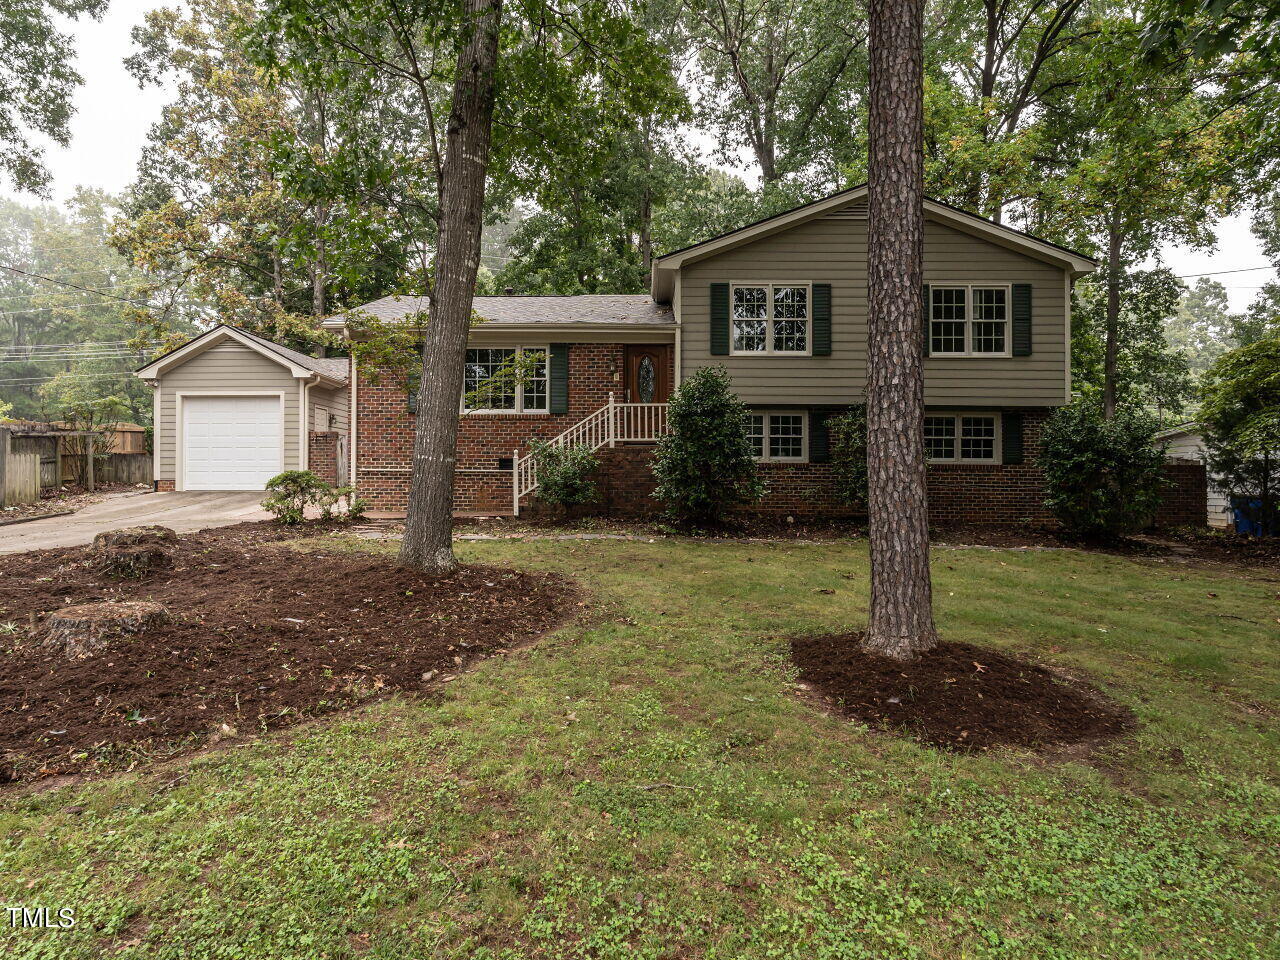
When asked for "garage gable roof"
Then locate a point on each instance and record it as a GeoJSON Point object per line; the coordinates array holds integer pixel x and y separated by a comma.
{"type": "Point", "coordinates": [299, 364]}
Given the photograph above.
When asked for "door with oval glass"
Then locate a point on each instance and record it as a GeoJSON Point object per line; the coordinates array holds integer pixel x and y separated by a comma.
{"type": "Point", "coordinates": [648, 373]}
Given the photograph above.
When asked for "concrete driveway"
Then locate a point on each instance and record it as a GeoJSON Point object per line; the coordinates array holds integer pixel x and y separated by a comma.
{"type": "Point", "coordinates": [182, 512]}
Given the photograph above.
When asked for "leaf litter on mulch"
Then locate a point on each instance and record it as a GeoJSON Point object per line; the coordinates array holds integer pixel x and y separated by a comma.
{"type": "Point", "coordinates": [261, 636]}
{"type": "Point", "coordinates": [958, 696]}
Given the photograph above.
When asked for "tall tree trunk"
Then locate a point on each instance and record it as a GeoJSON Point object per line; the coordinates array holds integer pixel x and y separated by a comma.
{"type": "Point", "coordinates": [901, 621]}
{"type": "Point", "coordinates": [646, 201]}
{"type": "Point", "coordinates": [428, 541]}
{"type": "Point", "coordinates": [1112, 347]}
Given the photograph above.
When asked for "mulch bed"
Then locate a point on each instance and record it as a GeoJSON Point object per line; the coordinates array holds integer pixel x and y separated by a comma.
{"type": "Point", "coordinates": [261, 636]}
{"type": "Point", "coordinates": [957, 696]}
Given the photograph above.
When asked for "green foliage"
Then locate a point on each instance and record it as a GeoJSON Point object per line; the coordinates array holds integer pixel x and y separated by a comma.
{"type": "Point", "coordinates": [292, 492]}
{"type": "Point", "coordinates": [93, 343]}
{"type": "Point", "coordinates": [390, 349]}
{"type": "Point", "coordinates": [848, 439]}
{"type": "Point", "coordinates": [565, 473]}
{"type": "Point", "coordinates": [1240, 416]}
{"type": "Point", "coordinates": [1150, 372]}
{"type": "Point", "coordinates": [1102, 478]}
{"type": "Point", "coordinates": [782, 80]}
{"type": "Point", "coordinates": [1202, 327]}
{"type": "Point", "coordinates": [37, 81]}
{"type": "Point", "coordinates": [236, 205]}
{"type": "Point", "coordinates": [704, 464]}
{"type": "Point", "coordinates": [1261, 321]}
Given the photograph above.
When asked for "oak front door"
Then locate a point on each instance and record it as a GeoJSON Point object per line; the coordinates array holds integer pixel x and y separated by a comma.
{"type": "Point", "coordinates": [648, 373]}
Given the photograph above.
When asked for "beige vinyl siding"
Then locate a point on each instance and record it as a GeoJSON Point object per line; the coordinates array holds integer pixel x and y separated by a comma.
{"type": "Point", "coordinates": [224, 369]}
{"type": "Point", "coordinates": [832, 249]}
{"type": "Point", "coordinates": [324, 402]}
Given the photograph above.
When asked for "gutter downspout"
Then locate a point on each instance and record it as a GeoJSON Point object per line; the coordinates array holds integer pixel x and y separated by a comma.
{"type": "Point", "coordinates": [351, 429]}
{"type": "Point", "coordinates": [304, 419]}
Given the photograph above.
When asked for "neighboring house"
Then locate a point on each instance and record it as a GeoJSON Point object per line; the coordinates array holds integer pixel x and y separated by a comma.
{"type": "Point", "coordinates": [232, 410]}
{"type": "Point", "coordinates": [782, 304]}
{"type": "Point", "coordinates": [1185, 444]}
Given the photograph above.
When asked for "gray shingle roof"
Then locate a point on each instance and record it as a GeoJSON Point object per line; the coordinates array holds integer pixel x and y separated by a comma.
{"type": "Point", "coordinates": [333, 367]}
{"type": "Point", "coordinates": [583, 308]}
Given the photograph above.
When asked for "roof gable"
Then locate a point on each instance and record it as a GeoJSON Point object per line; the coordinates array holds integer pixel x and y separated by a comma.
{"type": "Point", "coordinates": [298, 364]}
{"type": "Point", "coordinates": [851, 204]}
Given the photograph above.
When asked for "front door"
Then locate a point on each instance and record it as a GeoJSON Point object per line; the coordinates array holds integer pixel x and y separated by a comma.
{"type": "Point", "coordinates": [648, 373]}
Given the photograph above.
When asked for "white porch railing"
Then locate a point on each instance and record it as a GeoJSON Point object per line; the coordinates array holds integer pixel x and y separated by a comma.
{"type": "Point", "coordinates": [612, 424]}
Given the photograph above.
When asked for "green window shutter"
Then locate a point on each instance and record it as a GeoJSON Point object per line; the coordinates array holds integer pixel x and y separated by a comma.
{"type": "Point", "coordinates": [559, 373]}
{"type": "Point", "coordinates": [719, 319]}
{"type": "Point", "coordinates": [819, 436]}
{"type": "Point", "coordinates": [822, 319]}
{"type": "Point", "coordinates": [1011, 438]}
{"type": "Point", "coordinates": [413, 381]}
{"type": "Point", "coordinates": [1022, 319]}
{"type": "Point", "coordinates": [924, 318]}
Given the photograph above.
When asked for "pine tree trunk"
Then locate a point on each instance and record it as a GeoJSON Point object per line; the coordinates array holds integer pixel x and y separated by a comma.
{"type": "Point", "coordinates": [901, 619]}
{"type": "Point", "coordinates": [428, 541]}
{"type": "Point", "coordinates": [1112, 347]}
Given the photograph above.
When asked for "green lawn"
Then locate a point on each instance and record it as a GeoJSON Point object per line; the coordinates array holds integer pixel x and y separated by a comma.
{"type": "Point", "coordinates": [645, 784]}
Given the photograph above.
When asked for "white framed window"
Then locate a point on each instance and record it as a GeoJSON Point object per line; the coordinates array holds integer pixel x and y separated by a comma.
{"type": "Point", "coordinates": [770, 318]}
{"type": "Point", "coordinates": [962, 437]}
{"type": "Point", "coordinates": [779, 436]}
{"type": "Point", "coordinates": [506, 380]}
{"type": "Point", "coordinates": [969, 320]}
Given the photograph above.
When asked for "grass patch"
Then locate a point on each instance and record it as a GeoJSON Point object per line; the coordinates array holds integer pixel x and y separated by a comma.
{"type": "Point", "coordinates": [649, 785]}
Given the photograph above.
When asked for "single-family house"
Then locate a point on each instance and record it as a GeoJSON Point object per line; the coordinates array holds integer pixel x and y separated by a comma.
{"type": "Point", "coordinates": [781, 303]}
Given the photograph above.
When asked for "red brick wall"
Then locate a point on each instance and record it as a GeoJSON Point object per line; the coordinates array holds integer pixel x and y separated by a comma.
{"type": "Point", "coordinates": [322, 455]}
{"type": "Point", "coordinates": [1185, 503]}
{"type": "Point", "coordinates": [965, 493]}
{"type": "Point", "coordinates": [385, 435]}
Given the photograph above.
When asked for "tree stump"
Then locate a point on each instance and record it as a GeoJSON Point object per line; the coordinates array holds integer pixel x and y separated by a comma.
{"type": "Point", "coordinates": [134, 552]}
{"type": "Point", "coordinates": [83, 630]}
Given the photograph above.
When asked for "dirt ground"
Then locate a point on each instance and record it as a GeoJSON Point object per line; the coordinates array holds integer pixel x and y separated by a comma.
{"type": "Point", "coordinates": [261, 636]}
{"type": "Point", "coordinates": [958, 696]}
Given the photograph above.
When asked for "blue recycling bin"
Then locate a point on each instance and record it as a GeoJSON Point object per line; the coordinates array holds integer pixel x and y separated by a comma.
{"type": "Point", "coordinates": [1248, 516]}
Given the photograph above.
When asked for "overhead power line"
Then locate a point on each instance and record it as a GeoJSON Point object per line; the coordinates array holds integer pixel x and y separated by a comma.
{"type": "Point", "coordinates": [1214, 273]}
{"type": "Point", "coordinates": [76, 286]}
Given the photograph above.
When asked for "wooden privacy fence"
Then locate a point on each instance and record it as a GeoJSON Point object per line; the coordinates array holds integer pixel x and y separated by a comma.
{"type": "Point", "coordinates": [111, 468]}
{"type": "Point", "coordinates": [124, 468]}
{"type": "Point", "coordinates": [47, 449]}
{"type": "Point", "coordinates": [21, 478]}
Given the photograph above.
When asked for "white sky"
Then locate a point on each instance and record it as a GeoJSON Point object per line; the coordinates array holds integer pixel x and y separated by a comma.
{"type": "Point", "coordinates": [113, 116]}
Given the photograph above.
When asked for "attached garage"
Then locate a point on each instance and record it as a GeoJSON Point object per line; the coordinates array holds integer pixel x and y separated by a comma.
{"type": "Point", "coordinates": [232, 410]}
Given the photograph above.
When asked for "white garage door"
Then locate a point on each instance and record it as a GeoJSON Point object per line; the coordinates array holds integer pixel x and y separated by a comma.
{"type": "Point", "coordinates": [231, 443]}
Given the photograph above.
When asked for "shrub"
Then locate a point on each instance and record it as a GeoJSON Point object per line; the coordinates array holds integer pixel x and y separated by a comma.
{"type": "Point", "coordinates": [564, 473]}
{"type": "Point", "coordinates": [291, 492]}
{"type": "Point", "coordinates": [704, 464]}
{"type": "Point", "coordinates": [1102, 478]}
{"type": "Point", "coordinates": [848, 433]}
